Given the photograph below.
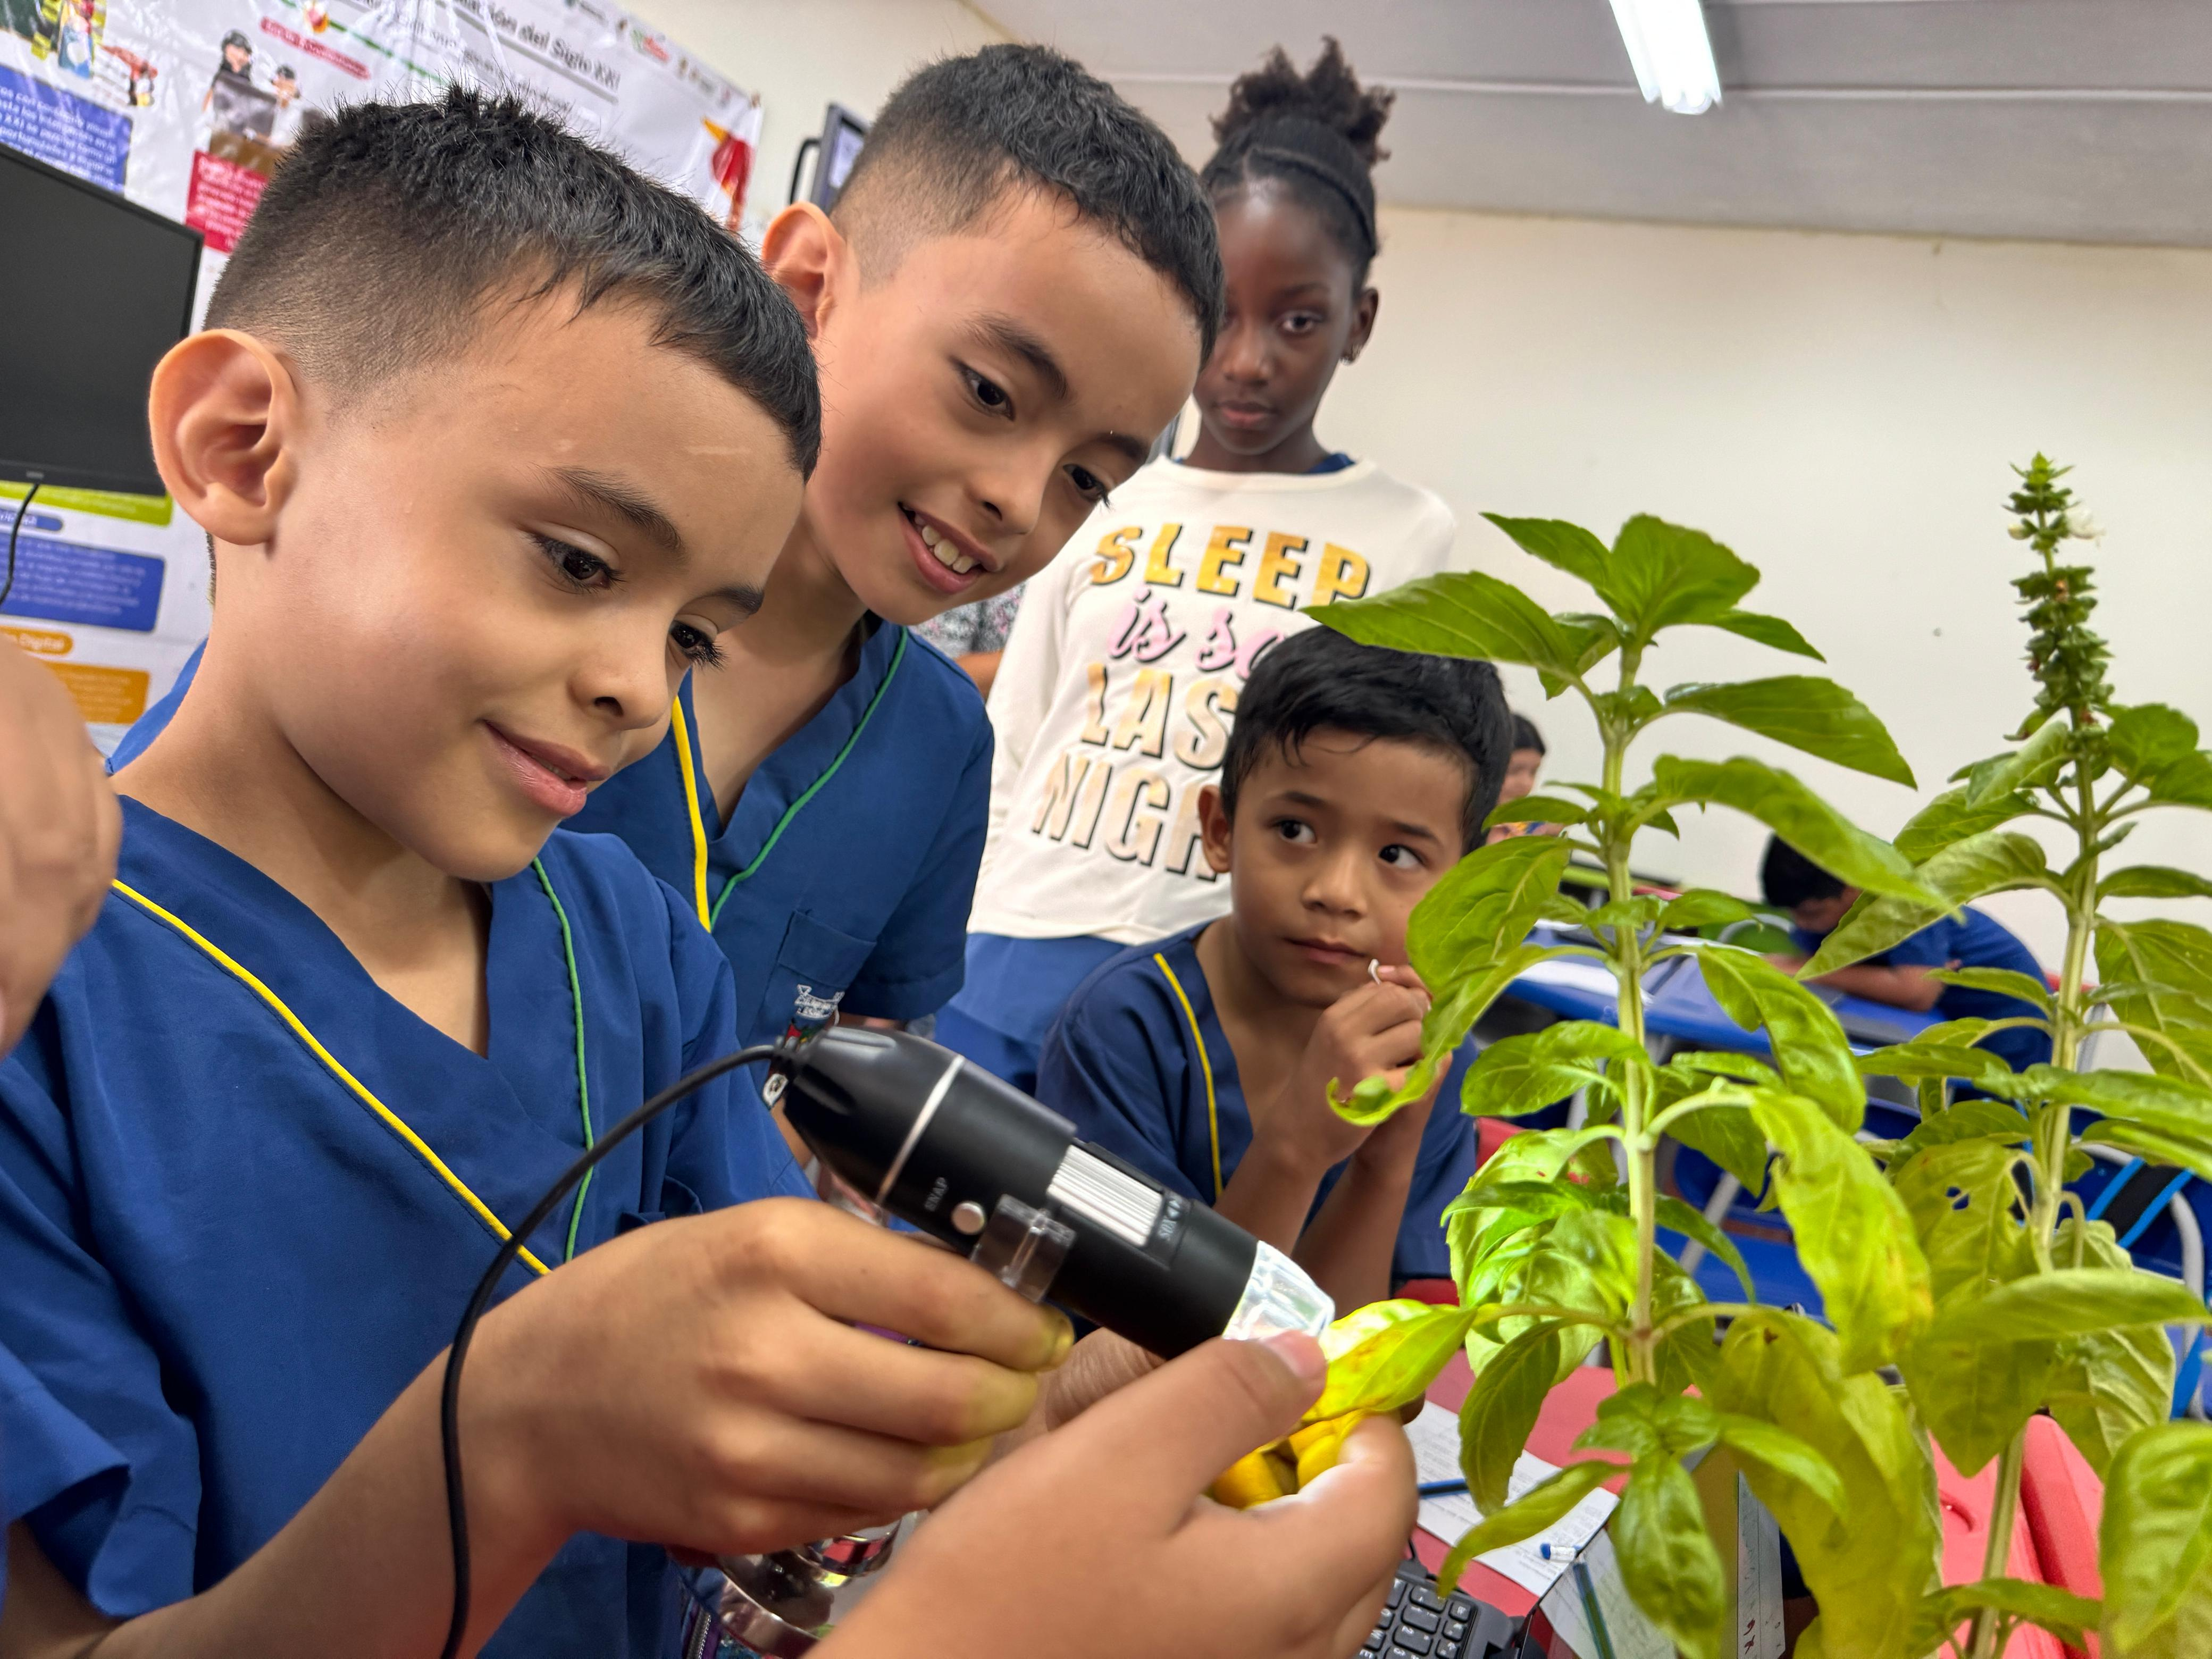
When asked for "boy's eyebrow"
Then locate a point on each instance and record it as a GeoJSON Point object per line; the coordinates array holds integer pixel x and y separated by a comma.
{"type": "Point", "coordinates": [612, 495]}
{"type": "Point", "coordinates": [1402, 826]}
{"type": "Point", "coordinates": [996, 329]}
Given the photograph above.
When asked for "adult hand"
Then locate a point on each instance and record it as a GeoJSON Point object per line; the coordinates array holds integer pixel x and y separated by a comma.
{"type": "Point", "coordinates": [59, 828]}
{"type": "Point", "coordinates": [1095, 1540]}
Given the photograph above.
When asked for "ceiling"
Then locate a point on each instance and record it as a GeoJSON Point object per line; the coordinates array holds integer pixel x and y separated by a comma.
{"type": "Point", "coordinates": [2073, 120]}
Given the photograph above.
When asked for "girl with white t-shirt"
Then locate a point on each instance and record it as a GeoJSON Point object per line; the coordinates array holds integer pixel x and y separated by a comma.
{"type": "Point", "coordinates": [1115, 694]}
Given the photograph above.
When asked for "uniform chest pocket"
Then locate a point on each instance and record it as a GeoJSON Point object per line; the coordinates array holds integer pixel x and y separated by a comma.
{"type": "Point", "coordinates": [814, 967]}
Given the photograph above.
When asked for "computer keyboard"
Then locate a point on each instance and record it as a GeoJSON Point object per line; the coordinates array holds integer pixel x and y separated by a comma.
{"type": "Point", "coordinates": [1417, 1623]}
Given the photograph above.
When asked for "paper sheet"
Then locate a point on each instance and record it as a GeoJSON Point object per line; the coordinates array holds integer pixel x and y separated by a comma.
{"type": "Point", "coordinates": [1435, 1437]}
{"type": "Point", "coordinates": [1629, 1634]}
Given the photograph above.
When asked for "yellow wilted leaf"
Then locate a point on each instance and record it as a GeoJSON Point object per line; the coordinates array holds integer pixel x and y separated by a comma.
{"type": "Point", "coordinates": [1386, 1354]}
{"type": "Point", "coordinates": [1253, 1479]}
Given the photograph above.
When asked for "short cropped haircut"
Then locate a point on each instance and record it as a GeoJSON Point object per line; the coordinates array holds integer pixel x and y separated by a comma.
{"type": "Point", "coordinates": [1789, 878]}
{"type": "Point", "coordinates": [392, 231]}
{"type": "Point", "coordinates": [959, 134]}
{"type": "Point", "coordinates": [1322, 680]}
{"type": "Point", "coordinates": [1526, 736]}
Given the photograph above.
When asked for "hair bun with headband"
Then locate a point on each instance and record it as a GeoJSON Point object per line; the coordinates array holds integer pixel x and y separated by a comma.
{"type": "Point", "coordinates": [1316, 132]}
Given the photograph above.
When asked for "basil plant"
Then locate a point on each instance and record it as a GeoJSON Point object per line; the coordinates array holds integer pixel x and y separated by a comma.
{"type": "Point", "coordinates": [2037, 1307]}
{"type": "Point", "coordinates": [1556, 1243]}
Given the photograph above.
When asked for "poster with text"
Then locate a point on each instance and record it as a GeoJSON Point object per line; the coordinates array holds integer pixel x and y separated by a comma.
{"type": "Point", "coordinates": [185, 107]}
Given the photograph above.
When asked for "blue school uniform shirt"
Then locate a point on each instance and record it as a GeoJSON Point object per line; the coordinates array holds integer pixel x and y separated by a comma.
{"type": "Point", "coordinates": [844, 875]}
{"type": "Point", "coordinates": [51, 1466]}
{"type": "Point", "coordinates": [1976, 940]}
{"type": "Point", "coordinates": [226, 1263]}
{"type": "Point", "coordinates": [1138, 1061]}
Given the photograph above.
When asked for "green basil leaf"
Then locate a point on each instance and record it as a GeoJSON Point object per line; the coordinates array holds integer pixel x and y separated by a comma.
{"type": "Point", "coordinates": [1461, 613]}
{"type": "Point", "coordinates": [1970, 1119]}
{"type": "Point", "coordinates": [1786, 806]}
{"type": "Point", "coordinates": [2061, 1611]}
{"type": "Point", "coordinates": [1501, 1408]}
{"type": "Point", "coordinates": [1526, 1073]}
{"type": "Point", "coordinates": [2187, 782]}
{"type": "Point", "coordinates": [1995, 861]}
{"type": "Point", "coordinates": [2154, 1548]}
{"type": "Point", "coordinates": [1974, 1394]}
{"type": "Point", "coordinates": [1871, 1568]}
{"type": "Point", "coordinates": [1564, 546]}
{"type": "Point", "coordinates": [1484, 907]}
{"type": "Point", "coordinates": [1677, 1217]}
{"type": "Point", "coordinates": [1639, 912]}
{"type": "Point", "coordinates": [2000, 981]}
{"type": "Point", "coordinates": [1386, 1354]}
{"type": "Point", "coordinates": [1668, 1562]}
{"type": "Point", "coordinates": [2109, 1384]}
{"type": "Point", "coordinates": [1527, 1515]}
{"type": "Point", "coordinates": [2034, 763]}
{"type": "Point", "coordinates": [1854, 1235]}
{"type": "Point", "coordinates": [1805, 712]}
{"type": "Point", "coordinates": [1917, 1061]}
{"type": "Point", "coordinates": [1726, 1135]}
{"type": "Point", "coordinates": [1766, 630]}
{"type": "Point", "coordinates": [2175, 957]}
{"type": "Point", "coordinates": [1537, 808]}
{"type": "Point", "coordinates": [1660, 575]}
{"type": "Point", "coordinates": [1786, 1454]}
{"type": "Point", "coordinates": [2180, 1151]}
{"type": "Point", "coordinates": [2152, 881]}
{"type": "Point", "coordinates": [1949, 818]}
{"type": "Point", "coordinates": [1810, 1049]}
{"type": "Point", "coordinates": [2069, 1303]}
{"type": "Point", "coordinates": [1701, 907]}
{"type": "Point", "coordinates": [2148, 737]}
{"type": "Point", "coordinates": [2170, 1105]}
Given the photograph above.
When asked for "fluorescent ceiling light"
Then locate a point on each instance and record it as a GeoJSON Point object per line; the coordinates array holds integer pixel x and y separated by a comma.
{"type": "Point", "coordinates": [1673, 58]}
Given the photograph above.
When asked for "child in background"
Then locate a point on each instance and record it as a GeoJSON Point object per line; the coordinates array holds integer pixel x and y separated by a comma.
{"type": "Point", "coordinates": [1122, 678]}
{"type": "Point", "coordinates": [1899, 976]}
{"type": "Point", "coordinates": [1355, 778]}
{"type": "Point", "coordinates": [353, 1000]}
{"type": "Point", "coordinates": [1011, 299]}
{"type": "Point", "coordinates": [975, 636]}
{"type": "Point", "coordinates": [1520, 775]}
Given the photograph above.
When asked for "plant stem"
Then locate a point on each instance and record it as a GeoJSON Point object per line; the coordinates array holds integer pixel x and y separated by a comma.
{"type": "Point", "coordinates": [1997, 1553]}
{"type": "Point", "coordinates": [1627, 953]}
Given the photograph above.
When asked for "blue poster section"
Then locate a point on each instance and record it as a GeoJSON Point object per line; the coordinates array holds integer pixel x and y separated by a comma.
{"type": "Point", "coordinates": [62, 582]}
{"type": "Point", "coordinates": [63, 129]}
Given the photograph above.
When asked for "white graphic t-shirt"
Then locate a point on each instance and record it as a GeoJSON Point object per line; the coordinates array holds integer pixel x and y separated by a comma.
{"type": "Point", "coordinates": [1114, 701]}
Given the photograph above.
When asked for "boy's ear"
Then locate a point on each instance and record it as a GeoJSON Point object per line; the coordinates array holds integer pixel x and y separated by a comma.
{"type": "Point", "coordinates": [1213, 827]}
{"type": "Point", "coordinates": [1362, 323]}
{"type": "Point", "coordinates": [811, 261]}
{"type": "Point", "coordinates": [225, 412]}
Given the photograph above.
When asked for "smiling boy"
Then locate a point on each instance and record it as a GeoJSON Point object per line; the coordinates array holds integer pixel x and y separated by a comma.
{"type": "Point", "coordinates": [353, 1000]}
{"type": "Point", "coordinates": [1011, 300]}
{"type": "Point", "coordinates": [1355, 778]}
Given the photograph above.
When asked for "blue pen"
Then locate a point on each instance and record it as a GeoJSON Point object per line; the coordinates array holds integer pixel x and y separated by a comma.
{"type": "Point", "coordinates": [1441, 1488]}
{"type": "Point", "coordinates": [1598, 1631]}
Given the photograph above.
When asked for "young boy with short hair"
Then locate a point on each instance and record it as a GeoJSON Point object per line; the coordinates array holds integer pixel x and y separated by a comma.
{"type": "Point", "coordinates": [1899, 976]}
{"type": "Point", "coordinates": [1355, 778]}
{"type": "Point", "coordinates": [1009, 302]}
{"type": "Point", "coordinates": [493, 440]}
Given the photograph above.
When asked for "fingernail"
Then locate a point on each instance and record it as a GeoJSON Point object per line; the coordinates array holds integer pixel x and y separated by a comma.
{"type": "Point", "coordinates": [1063, 1339]}
{"type": "Point", "coordinates": [1301, 1353]}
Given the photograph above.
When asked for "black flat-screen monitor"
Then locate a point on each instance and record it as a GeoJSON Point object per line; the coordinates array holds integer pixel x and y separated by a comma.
{"type": "Point", "coordinates": [842, 135]}
{"type": "Point", "coordinates": [93, 290]}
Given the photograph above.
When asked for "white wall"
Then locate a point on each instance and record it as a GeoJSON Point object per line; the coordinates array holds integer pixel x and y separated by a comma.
{"type": "Point", "coordinates": [801, 55]}
{"type": "Point", "coordinates": [1840, 411]}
